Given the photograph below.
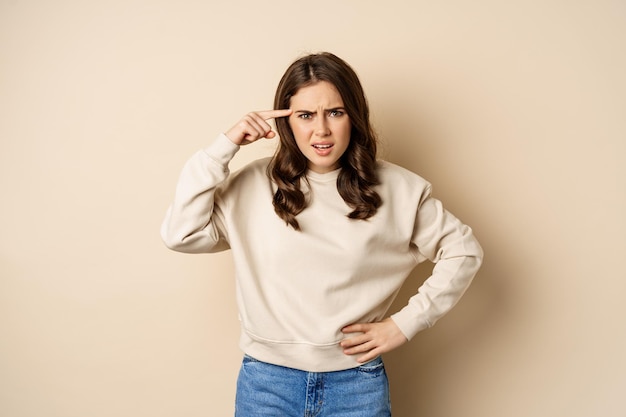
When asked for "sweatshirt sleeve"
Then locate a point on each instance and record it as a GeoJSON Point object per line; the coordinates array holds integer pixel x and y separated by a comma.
{"type": "Point", "coordinates": [194, 222]}
{"type": "Point", "coordinates": [451, 245]}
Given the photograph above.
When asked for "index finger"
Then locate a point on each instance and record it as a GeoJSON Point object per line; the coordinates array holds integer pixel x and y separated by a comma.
{"type": "Point", "coordinates": [273, 114]}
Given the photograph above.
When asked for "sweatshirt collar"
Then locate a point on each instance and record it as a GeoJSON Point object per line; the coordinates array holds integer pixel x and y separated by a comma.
{"type": "Point", "coordinates": [326, 177]}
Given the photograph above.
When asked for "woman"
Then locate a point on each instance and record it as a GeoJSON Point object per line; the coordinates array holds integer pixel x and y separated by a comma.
{"type": "Point", "coordinates": [323, 236]}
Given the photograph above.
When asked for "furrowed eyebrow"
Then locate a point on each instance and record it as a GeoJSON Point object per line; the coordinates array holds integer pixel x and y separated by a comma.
{"type": "Point", "coordinates": [334, 109]}
{"type": "Point", "coordinates": [315, 111]}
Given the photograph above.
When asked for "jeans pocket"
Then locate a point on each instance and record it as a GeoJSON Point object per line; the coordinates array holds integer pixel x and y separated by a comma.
{"type": "Point", "coordinates": [372, 368]}
{"type": "Point", "coordinates": [248, 359]}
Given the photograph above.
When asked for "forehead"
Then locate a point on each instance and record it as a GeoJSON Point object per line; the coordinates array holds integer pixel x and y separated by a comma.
{"type": "Point", "coordinates": [322, 93]}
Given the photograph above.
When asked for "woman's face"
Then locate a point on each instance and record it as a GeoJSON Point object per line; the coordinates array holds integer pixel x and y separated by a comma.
{"type": "Point", "coordinates": [320, 125]}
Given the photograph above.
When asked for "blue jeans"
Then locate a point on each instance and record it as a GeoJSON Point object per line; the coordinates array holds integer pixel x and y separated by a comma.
{"type": "Point", "coordinates": [271, 390]}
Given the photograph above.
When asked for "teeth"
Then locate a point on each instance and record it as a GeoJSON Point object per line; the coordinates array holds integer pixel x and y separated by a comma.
{"type": "Point", "coordinates": [322, 146]}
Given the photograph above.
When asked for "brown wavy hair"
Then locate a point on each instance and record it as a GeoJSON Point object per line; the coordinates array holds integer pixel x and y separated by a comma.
{"type": "Point", "coordinates": [358, 176]}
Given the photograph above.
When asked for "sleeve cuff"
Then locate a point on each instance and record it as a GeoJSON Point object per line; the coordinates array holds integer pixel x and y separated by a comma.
{"type": "Point", "coordinates": [222, 150]}
{"type": "Point", "coordinates": [409, 325]}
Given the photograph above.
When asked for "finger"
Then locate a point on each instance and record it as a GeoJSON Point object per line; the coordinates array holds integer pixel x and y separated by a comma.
{"type": "Point", "coordinates": [356, 328]}
{"type": "Point", "coordinates": [274, 114]}
{"type": "Point", "coordinates": [262, 117]}
{"type": "Point", "coordinates": [362, 348]}
{"type": "Point", "coordinates": [371, 355]}
{"type": "Point", "coordinates": [254, 127]}
{"type": "Point", "coordinates": [355, 341]}
{"type": "Point", "coordinates": [257, 125]}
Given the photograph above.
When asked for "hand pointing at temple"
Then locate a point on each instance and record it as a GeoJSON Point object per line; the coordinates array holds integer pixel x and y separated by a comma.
{"type": "Point", "coordinates": [254, 126]}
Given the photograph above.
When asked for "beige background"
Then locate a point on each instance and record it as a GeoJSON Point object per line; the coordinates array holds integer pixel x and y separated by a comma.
{"type": "Point", "coordinates": [515, 111]}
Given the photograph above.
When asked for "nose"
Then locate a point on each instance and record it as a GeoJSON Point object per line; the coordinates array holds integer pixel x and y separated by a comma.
{"type": "Point", "coordinates": [322, 128]}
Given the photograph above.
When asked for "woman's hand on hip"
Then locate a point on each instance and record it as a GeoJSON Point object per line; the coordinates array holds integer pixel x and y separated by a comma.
{"type": "Point", "coordinates": [374, 340]}
{"type": "Point", "coordinates": [254, 126]}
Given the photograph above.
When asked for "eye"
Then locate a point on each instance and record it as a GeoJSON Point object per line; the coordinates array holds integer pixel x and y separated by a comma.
{"type": "Point", "coordinates": [305, 116]}
{"type": "Point", "coordinates": [335, 113]}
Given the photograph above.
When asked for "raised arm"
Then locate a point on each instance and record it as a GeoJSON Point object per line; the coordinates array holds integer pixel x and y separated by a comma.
{"type": "Point", "coordinates": [194, 222]}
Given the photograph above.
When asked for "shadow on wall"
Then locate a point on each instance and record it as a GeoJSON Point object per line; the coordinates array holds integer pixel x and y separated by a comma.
{"type": "Point", "coordinates": [423, 371]}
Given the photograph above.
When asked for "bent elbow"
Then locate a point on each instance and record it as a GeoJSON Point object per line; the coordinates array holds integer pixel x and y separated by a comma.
{"type": "Point", "coordinates": [174, 243]}
{"type": "Point", "coordinates": [194, 243]}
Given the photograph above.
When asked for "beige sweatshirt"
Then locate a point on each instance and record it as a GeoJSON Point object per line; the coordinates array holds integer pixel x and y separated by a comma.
{"type": "Point", "coordinates": [296, 290]}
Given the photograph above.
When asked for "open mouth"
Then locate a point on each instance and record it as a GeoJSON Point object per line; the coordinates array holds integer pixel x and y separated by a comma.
{"type": "Point", "coordinates": [322, 149]}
